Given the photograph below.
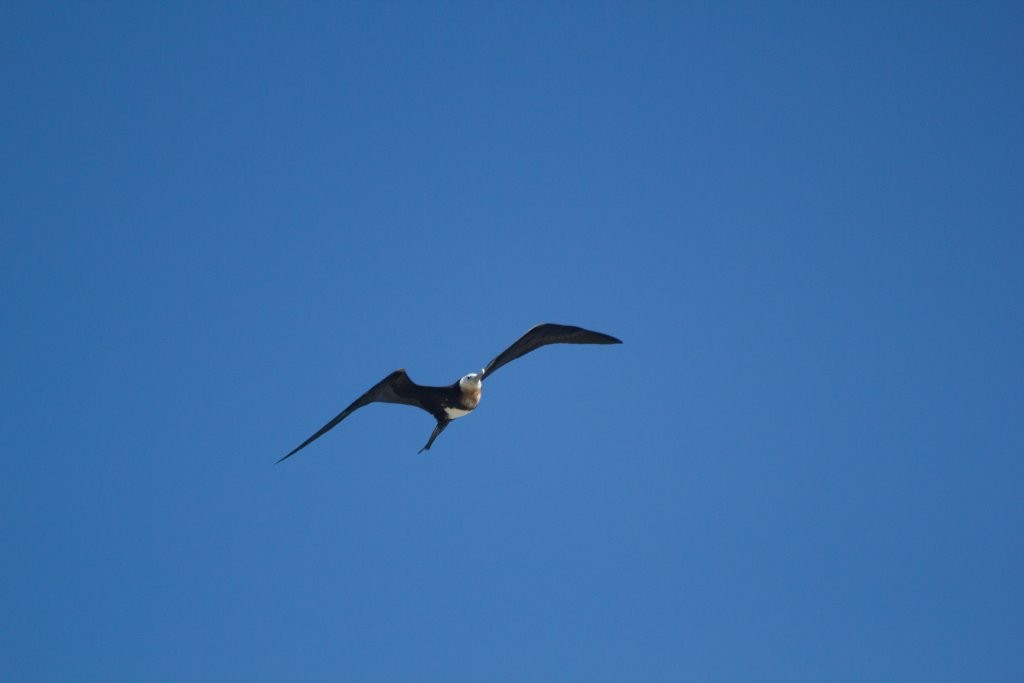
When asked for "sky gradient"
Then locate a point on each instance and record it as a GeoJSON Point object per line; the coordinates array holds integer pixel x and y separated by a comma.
{"type": "Point", "coordinates": [220, 223]}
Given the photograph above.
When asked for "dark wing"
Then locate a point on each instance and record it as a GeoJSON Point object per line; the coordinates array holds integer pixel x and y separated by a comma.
{"type": "Point", "coordinates": [544, 334]}
{"type": "Point", "coordinates": [395, 388]}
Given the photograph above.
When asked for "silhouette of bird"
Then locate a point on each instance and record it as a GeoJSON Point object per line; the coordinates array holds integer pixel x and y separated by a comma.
{"type": "Point", "coordinates": [461, 398]}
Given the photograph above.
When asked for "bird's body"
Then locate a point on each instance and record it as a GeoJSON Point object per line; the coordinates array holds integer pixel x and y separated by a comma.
{"type": "Point", "coordinates": [457, 400]}
{"type": "Point", "coordinates": [466, 403]}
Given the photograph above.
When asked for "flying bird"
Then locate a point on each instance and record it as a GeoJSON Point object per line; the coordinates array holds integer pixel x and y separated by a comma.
{"type": "Point", "coordinates": [461, 398]}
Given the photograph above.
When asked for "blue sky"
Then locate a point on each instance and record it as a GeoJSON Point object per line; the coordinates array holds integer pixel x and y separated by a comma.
{"type": "Point", "coordinates": [220, 223]}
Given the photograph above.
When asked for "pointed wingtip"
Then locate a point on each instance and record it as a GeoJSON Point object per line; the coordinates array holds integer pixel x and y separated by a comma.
{"type": "Point", "coordinates": [289, 455]}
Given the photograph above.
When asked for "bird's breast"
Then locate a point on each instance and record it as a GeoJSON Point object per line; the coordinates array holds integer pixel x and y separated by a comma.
{"type": "Point", "coordinates": [468, 400]}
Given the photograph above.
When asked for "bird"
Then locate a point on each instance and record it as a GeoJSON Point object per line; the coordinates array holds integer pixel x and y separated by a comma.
{"type": "Point", "coordinates": [459, 399]}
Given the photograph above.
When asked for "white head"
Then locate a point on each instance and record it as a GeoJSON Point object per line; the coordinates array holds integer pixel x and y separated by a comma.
{"type": "Point", "coordinates": [472, 382]}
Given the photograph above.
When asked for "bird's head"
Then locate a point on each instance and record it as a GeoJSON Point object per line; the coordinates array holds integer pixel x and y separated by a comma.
{"type": "Point", "coordinates": [472, 382]}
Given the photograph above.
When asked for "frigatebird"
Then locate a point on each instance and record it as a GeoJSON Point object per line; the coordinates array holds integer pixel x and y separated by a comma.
{"type": "Point", "coordinates": [459, 399]}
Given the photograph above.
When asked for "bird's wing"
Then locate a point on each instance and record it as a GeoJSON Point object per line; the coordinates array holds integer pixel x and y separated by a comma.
{"type": "Point", "coordinates": [544, 334]}
{"type": "Point", "coordinates": [395, 388]}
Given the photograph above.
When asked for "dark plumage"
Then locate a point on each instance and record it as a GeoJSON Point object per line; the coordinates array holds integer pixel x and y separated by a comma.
{"type": "Point", "coordinates": [459, 399]}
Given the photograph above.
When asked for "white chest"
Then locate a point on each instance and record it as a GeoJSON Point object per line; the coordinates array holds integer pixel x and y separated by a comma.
{"type": "Point", "coordinates": [453, 413]}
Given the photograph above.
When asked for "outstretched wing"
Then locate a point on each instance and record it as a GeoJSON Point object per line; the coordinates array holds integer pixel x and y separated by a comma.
{"type": "Point", "coordinates": [544, 334]}
{"type": "Point", "coordinates": [395, 388]}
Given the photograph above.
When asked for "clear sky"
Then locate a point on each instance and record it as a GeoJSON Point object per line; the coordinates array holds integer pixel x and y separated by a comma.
{"type": "Point", "coordinates": [222, 222]}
